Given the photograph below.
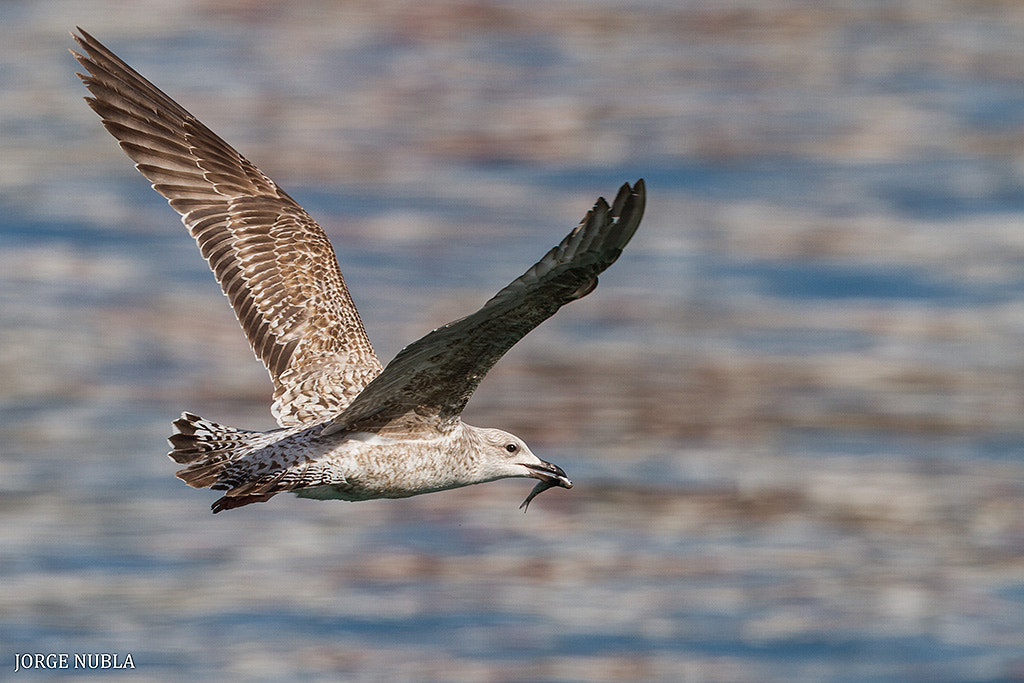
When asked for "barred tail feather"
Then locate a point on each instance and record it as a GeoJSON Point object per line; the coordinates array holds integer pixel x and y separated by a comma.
{"type": "Point", "coordinates": [209, 448]}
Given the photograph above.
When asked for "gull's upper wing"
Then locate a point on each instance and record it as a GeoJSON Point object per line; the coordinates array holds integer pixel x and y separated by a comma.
{"type": "Point", "coordinates": [274, 263]}
{"type": "Point", "coordinates": [435, 376]}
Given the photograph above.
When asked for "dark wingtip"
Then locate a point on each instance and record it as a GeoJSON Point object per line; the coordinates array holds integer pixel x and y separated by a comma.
{"type": "Point", "coordinates": [82, 37]}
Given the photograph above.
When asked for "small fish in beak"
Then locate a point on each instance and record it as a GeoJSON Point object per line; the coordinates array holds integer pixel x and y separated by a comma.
{"type": "Point", "coordinates": [550, 476]}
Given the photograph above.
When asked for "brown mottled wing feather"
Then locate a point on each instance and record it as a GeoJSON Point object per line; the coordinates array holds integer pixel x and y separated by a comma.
{"type": "Point", "coordinates": [435, 376]}
{"type": "Point", "coordinates": [274, 263]}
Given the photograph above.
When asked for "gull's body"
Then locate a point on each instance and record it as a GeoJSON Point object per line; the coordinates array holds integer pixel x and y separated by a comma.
{"type": "Point", "coordinates": [350, 428]}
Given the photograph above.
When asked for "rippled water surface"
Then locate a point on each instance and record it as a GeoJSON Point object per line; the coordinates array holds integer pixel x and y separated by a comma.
{"type": "Point", "coordinates": [792, 409]}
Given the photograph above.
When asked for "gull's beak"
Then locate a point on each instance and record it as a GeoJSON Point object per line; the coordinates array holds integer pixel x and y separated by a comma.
{"type": "Point", "coordinates": [550, 476]}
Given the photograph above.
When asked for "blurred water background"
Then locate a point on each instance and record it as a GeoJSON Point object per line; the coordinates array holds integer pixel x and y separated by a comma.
{"type": "Point", "coordinates": [792, 409]}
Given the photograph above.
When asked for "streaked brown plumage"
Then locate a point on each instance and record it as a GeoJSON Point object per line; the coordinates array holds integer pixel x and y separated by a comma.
{"type": "Point", "coordinates": [350, 429]}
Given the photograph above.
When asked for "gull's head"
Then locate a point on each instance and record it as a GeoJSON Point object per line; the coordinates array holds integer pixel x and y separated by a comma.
{"type": "Point", "coordinates": [506, 455]}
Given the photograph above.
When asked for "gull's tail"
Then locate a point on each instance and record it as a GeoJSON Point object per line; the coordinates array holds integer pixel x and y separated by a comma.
{"type": "Point", "coordinates": [209, 449]}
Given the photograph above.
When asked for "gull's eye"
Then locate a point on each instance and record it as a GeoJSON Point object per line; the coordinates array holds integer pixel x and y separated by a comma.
{"type": "Point", "coordinates": [511, 447]}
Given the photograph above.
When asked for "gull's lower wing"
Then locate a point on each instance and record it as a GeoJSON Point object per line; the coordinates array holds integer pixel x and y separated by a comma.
{"type": "Point", "coordinates": [436, 375]}
{"type": "Point", "coordinates": [273, 261]}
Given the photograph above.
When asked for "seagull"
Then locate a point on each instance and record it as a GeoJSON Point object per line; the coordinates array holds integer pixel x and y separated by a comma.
{"type": "Point", "coordinates": [350, 428]}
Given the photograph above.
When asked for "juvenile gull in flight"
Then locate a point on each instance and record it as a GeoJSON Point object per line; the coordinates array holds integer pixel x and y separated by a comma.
{"type": "Point", "coordinates": [350, 429]}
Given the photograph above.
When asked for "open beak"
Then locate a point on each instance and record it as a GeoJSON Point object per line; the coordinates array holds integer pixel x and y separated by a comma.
{"type": "Point", "coordinates": [550, 476]}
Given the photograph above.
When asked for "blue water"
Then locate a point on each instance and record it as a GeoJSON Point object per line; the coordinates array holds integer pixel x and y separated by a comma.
{"type": "Point", "coordinates": [791, 409]}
